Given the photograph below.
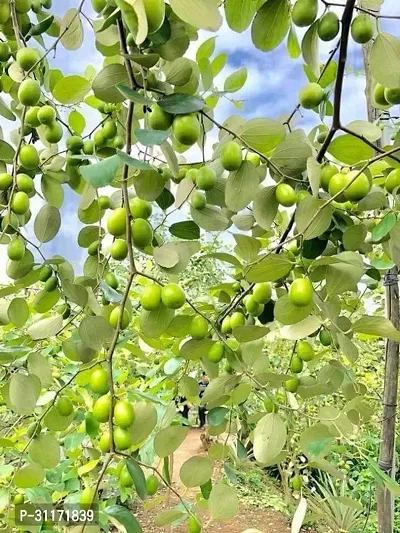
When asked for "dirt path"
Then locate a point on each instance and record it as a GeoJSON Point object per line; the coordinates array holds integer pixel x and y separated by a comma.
{"type": "Point", "coordinates": [266, 520]}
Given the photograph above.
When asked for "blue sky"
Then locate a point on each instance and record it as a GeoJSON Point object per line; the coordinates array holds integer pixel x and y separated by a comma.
{"type": "Point", "coordinates": [271, 91]}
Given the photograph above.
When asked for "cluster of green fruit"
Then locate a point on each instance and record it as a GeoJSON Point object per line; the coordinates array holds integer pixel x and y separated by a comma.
{"type": "Point", "coordinates": [186, 128]}
{"type": "Point", "coordinates": [385, 96]}
{"type": "Point", "coordinates": [171, 296]}
{"type": "Point", "coordinates": [141, 230]}
{"type": "Point", "coordinates": [22, 8]}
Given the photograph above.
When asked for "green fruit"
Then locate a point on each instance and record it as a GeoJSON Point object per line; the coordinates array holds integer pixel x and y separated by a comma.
{"type": "Point", "coordinates": [109, 129]}
{"type": "Point", "coordinates": [359, 188]}
{"type": "Point", "coordinates": [5, 52]}
{"type": "Point", "coordinates": [379, 95]}
{"type": "Point", "coordinates": [181, 175]}
{"type": "Point", "coordinates": [206, 178]}
{"type": "Point", "coordinates": [64, 406]}
{"type": "Point", "coordinates": [152, 485]}
{"type": "Point", "coordinates": [166, 174]}
{"type": "Point", "coordinates": [119, 142]}
{"type": "Point", "coordinates": [22, 6]}
{"type": "Point", "coordinates": [116, 224]}
{"type": "Point", "coordinates": [291, 385]}
{"type": "Point", "coordinates": [6, 181]}
{"type": "Point", "coordinates": [285, 195]}
{"type": "Point", "coordinates": [155, 14]}
{"type": "Point", "coordinates": [51, 284]}
{"type": "Point", "coordinates": [88, 147]}
{"type": "Point", "coordinates": [305, 351]}
{"type": "Point", "coordinates": [94, 248]}
{"type": "Point", "coordinates": [114, 318]}
{"type": "Point", "coordinates": [98, 381]}
{"type": "Point", "coordinates": [253, 158]}
{"type": "Point", "coordinates": [296, 364]}
{"type": "Point", "coordinates": [19, 499]}
{"type": "Point", "coordinates": [25, 183]}
{"type": "Point", "coordinates": [192, 174]}
{"type": "Point", "coordinates": [29, 92]}
{"type": "Point", "coordinates": [231, 156]}
{"type": "Point", "coordinates": [104, 202]}
{"type": "Point", "coordinates": [226, 325]}
{"type": "Point", "coordinates": [34, 430]}
{"type": "Point", "coordinates": [46, 115]}
{"type": "Point", "coordinates": [198, 200]}
{"type": "Point", "coordinates": [87, 497]}
{"type": "Point", "coordinates": [31, 117]}
{"type": "Point", "coordinates": [296, 482]}
{"type": "Point", "coordinates": [9, 223]}
{"type": "Point", "coordinates": [300, 195]}
{"type": "Point", "coordinates": [321, 138]}
{"type": "Point", "coordinates": [325, 337]}
{"type": "Point", "coordinates": [262, 292]}
{"type": "Point", "coordinates": [216, 352]}
{"type": "Point", "coordinates": [124, 415]}
{"type": "Point", "coordinates": [173, 296]}
{"type": "Point", "coordinates": [125, 479]}
{"type": "Point", "coordinates": [328, 26]}
{"type": "Point", "coordinates": [362, 29]}
{"type": "Point", "coordinates": [327, 172]}
{"type": "Point", "coordinates": [270, 406]}
{"type": "Point", "coordinates": [111, 280]}
{"type": "Point", "coordinates": [159, 119]}
{"type": "Point", "coordinates": [46, 3]}
{"type": "Point", "coordinates": [301, 292]}
{"type": "Point", "coordinates": [186, 129]}
{"type": "Point", "coordinates": [199, 328]}
{"type": "Point", "coordinates": [45, 273]}
{"type": "Point", "coordinates": [122, 438]}
{"type": "Point", "coordinates": [36, 6]}
{"type": "Point", "coordinates": [304, 12]}
{"type": "Point", "coordinates": [142, 233]}
{"type": "Point", "coordinates": [53, 133]}
{"type": "Point", "coordinates": [20, 203]}
{"type": "Point", "coordinates": [311, 95]}
{"type": "Point", "coordinates": [251, 304]}
{"type": "Point", "coordinates": [101, 409]}
{"type": "Point", "coordinates": [74, 144]}
{"type": "Point", "coordinates": [28, 157]}
{"type": "Point", "coordinates": [151, 297]}
{"type": "Point", "coordinates": [140, 208]}
{"type": "Point", "coordinates": [5, 13]}
{"type": "Point", "coordinates": [99, 139]}
{"type": "Point", "coordinates": [392, 181]}
{"type": "Point", "coordinates": [392, 96]}
{"type": "Point", "coordinates": [237, 319]}
{"type": "Point", "coordinates": [337, 184]}
{"type": "Point", "coordinates": [105, 442]}
{"type": "Point", "coordinates": [16, 249]}
{"type": "Point", "coordinates": [194, 525]}
{"type": "Point", "coordinates": [99, 5]}
{"type": "Point", "coordinates": [119, 250]}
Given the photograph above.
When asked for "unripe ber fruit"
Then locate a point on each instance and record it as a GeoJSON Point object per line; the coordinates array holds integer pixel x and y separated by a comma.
{"type": "Point", "coordinates": [88, 147]}
{"type": "Point", "coordinates": [301, 292]}
{"type": "Point", "coordinates": [226, 325]}
{"type": "Point", "coordinates": [124, 415]}
{"type": "Point", "coordinates": [173, 296]}
{"type": "Point", "coordinates": [5, 52]}
{"type": "Point", "coordinates": [22, 6]}
{"type": "Point", "coordinates": [270, 406]}
{"type": "Point", "coordinates": [304, 12]}
{"type": "Point", "coordinates": [114, 318]}
{"type": "Point", "coordinates": [237, 319]}
{"type": "Point", "coordinates": [194, 525]}
{"type": "Point", "coordinates": [25, 183]}
{"type": "Point", "coordinates": [125, 479]}
{"type": "Point", "coordinates": [104, 202]}
{"type": "Point", "coordinates": [198, 200]}
{"type": "Point", "coordinates": [28, 157]}
{"type": "Point", "coordinates": [101, 408]}
{"type": "Point", "coordinates": [111, 280]}
{"type": "Point", "coordinates": [27, 58]}
{"type": "Point", "coordinates": [186, 129]}
{"type": "Point", "coordinates": [253, 158]}
{"type": "Point", "coordinates": [45, 273]}
{"type": "Point", "coordinates": [5, 13]}
{"type": "Point", "coordinates": [98, 381]}
{"type": "Point", "coordinates": [262, 292]}
{"type": "Point", "coordinates": [216, 352]}
{"type": "Point", "coordinates": [118, 142]}
{"type": "Point", "coordinates": [140, 208]}
{"type": "Point", "coordinates": [336, 185]}
{"type": "Point", "coordinates": [392, 96]}
{"type": "Point", "coordinates": [296, 482]}
{"type": "Point", "coordinates": [119, 250]}
{"type": "Point", "coordinates": [20, 203]}
{"type": "Point", "coordinates": [296, 364]}
{"type": "Point", "coordinates": [64, 406]}
{"type": "Point", "coordinates": [155, 14]}
{"type": "Point", "coordinates": [46, 115]}
{"type": "Point", "coordinates": [379, 95]}
{"type": "Point", "coordinates": [328, 26]}
{"type": "Point", "coordinates": [51, 284]}
{"type": "Point", "coordinates": [231, 156]}
{"type": "Point", "coordinates": [94, 248]}
{"type": "Point", "coordinates": [6, 180]}
{"type": "Point", "coordinates": [206, 178]}
{"type": "Point", "coordinates": [159, 119]}
{"type": "Point", "coordinates": [311, 95]}
{"type": "Point", "coordinates": [192, 174]}
{"type": "Point", "coordinates": [152, 485]}
{"type": "Point", "coordinates": [122, 438]}
{"type": "Point", "coordinates": [87, 497]}
{"type": "Point", "coordinates": [99, 5]}
{"type": "Point", "coordinates": [29, 92]}
{"type": "Point", "coordinates": [291, 385]}
{"type": "Point", "coordinates": [74, 144]}
{"type": "Point", "coordinates": [327, 172]}
{"type": "Point", "coordinates": [16, 249]}
{"type": "Point", "coordinates": [325, 337]}
{"type": "Point", "coordinates": [305, 351]}
{"type": "Point", "coordinates": [393, 180]}
{"type": "Point", "coordinates": [142, 233]}
{"type": "Point", "coordinates": [31, 117]}
{"type": "Point", "coordinates": [116, 224]}
{"type": "Point", "coordinates": [285, 195]}
{"type": "Point", "coordinates": [19, 499]}
{"type": "Point", "coordinates": [360, 187]}
{"type": "Point", "coordinates": [53, 133]}
{"type": "Point", "coordinates": [362, 29]}
{"type": "Point", "coordinates": [105, 443]}
{"type": "Point", "coordinates": [199, 327]}
{"type": "Point", "coordinates": [151, 297]}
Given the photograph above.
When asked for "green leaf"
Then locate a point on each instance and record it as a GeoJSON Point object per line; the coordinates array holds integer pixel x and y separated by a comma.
{"type": "Point", "coordinates": [18, 312]}
{"type": "Point", "coordinates": [75, 293]}
{"type": "Point", "coordinates": [241, 187]}
{"type": "Point", "coordinates": [5, 111]}
{"type": "Point", "coordinates": [165, 257]}
{"type": "Point", "coordinates": [226, 258]}
{"type": "Point", "coordinates": [45, 450]}
{"type": "Point", "coordinates": [132, 162]}
{"type": "Point", "coordinates": [307, 209]}
{"type": "Point", "coordinates": [145, 60]}
{"type": "Point", "coordinates": [7, 152]}
{"type": "Point", "coordinates": [171, 159]}
{"type": "Point", "coordinates": [24, 392]}
{"type": "Point", "coordinates": [265, 207]}
{"type": "Point", "coordinates": [196, 471]}
{"type": "Point", "coordinates": [185, 230]}
{"type": "Point", "coordinates": [249, 333]}
{"type": "Point", "coordinates": [30, 475]}
{"type": "Point", "coordinates": [168, 517]}
{"type": "Point", "coordinates": [106, 85]}
{"type": "Point", "coordinates": [47, 223]}
{"type": "Point", "coordinates": [350, 150]}
{"type": "Point", "coordinates": [151, 137]}
{"type": "Point", "coordinates": [384, 227]}
{"type": "Point", "coordinates": [239, 13]}
{"type": "Point", "coordinates": [316, 441]}
{"type": "Point", "coordinates": [154, 323]}
{"type": "Point", "coordinates": [125, 517]}
{"type": "Point", "coordinates": [194, 350]}
{"type": "Point", "coordinates": [314, 175]}
{"type": "Point", "coordinates": [286, 313]}
{"type": "Point", "coordinates": [138, 477]}
{"type": "Point", "coordinates": [71, 89]}
{"type": "Point", "coordinates": [71, 30]}
{"type": "Point", "coordinates": [384, 60]}
{"type": "Point", "coordinates": [310, 48]}
{"type": "Point", "coordinates": [46, 328]}
{"type": "Point", "coordinates": [210, 218]}
{"type": "Point", "coordinates": [348, 348]}
{"type": "Point", "coordinates": [133, 95]}
{"type": "Point", "coordinates": [271, 24]}
{"type": "Point", "coordinates": [292, 154]}
{"type": "Point", "coordinates": [202, 14]}
{"type": "Point", "coordinates": [149, 184]}
{"type": "Point", "coordinates": [218, 63]}
{"type": "Point", "coordinates": [179, 72]}
{"type": "Point", "coordinates": [181, 104]}
{"type": "Point", "coordinates": [165, 200]}
{"type": "Point", "coordinates": [206, 49]}
{"type": "Point", "coordinates": [246, 247]}
{"type": "Point", "coordinates": [95, 332]}
{"type": "Point", "coordinates": [42, 27]}
{"type": "Point", "coordinates": [370, 131]}
{"type": "Point", "coordinates": [145, 421]}
{"type": "Point", "coordinates": [101, 174]}
{"type": "Point", "coordinates": [223, 502]}
{"type": "Point", "coordinates": [302, 329]}
{"type": "Point", "coordinates": [53, 191]}
{"type": "Point", "coordinates": [354, 237]}
{"type": "Point", "coordinates": [270, 436]}
{"type": "Point", "coordinates": [270, 268]}
{"type": "Point", "coordinates": [168, 440]}
{"type": "Point", "coordinates": [216, 416]}
{"type": "Point", "coordinates": [236, 80]}
{"type": "Point", "coordinates": [293, 45]}
{"type": "Point", "coordinates": [76, 122]}
{"type": "Point", "coordinates": [262, 134]}
{"type": "Point", "coordinates": [378, 326]}
{"type": "Point", "coordinates": [39, 366]}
